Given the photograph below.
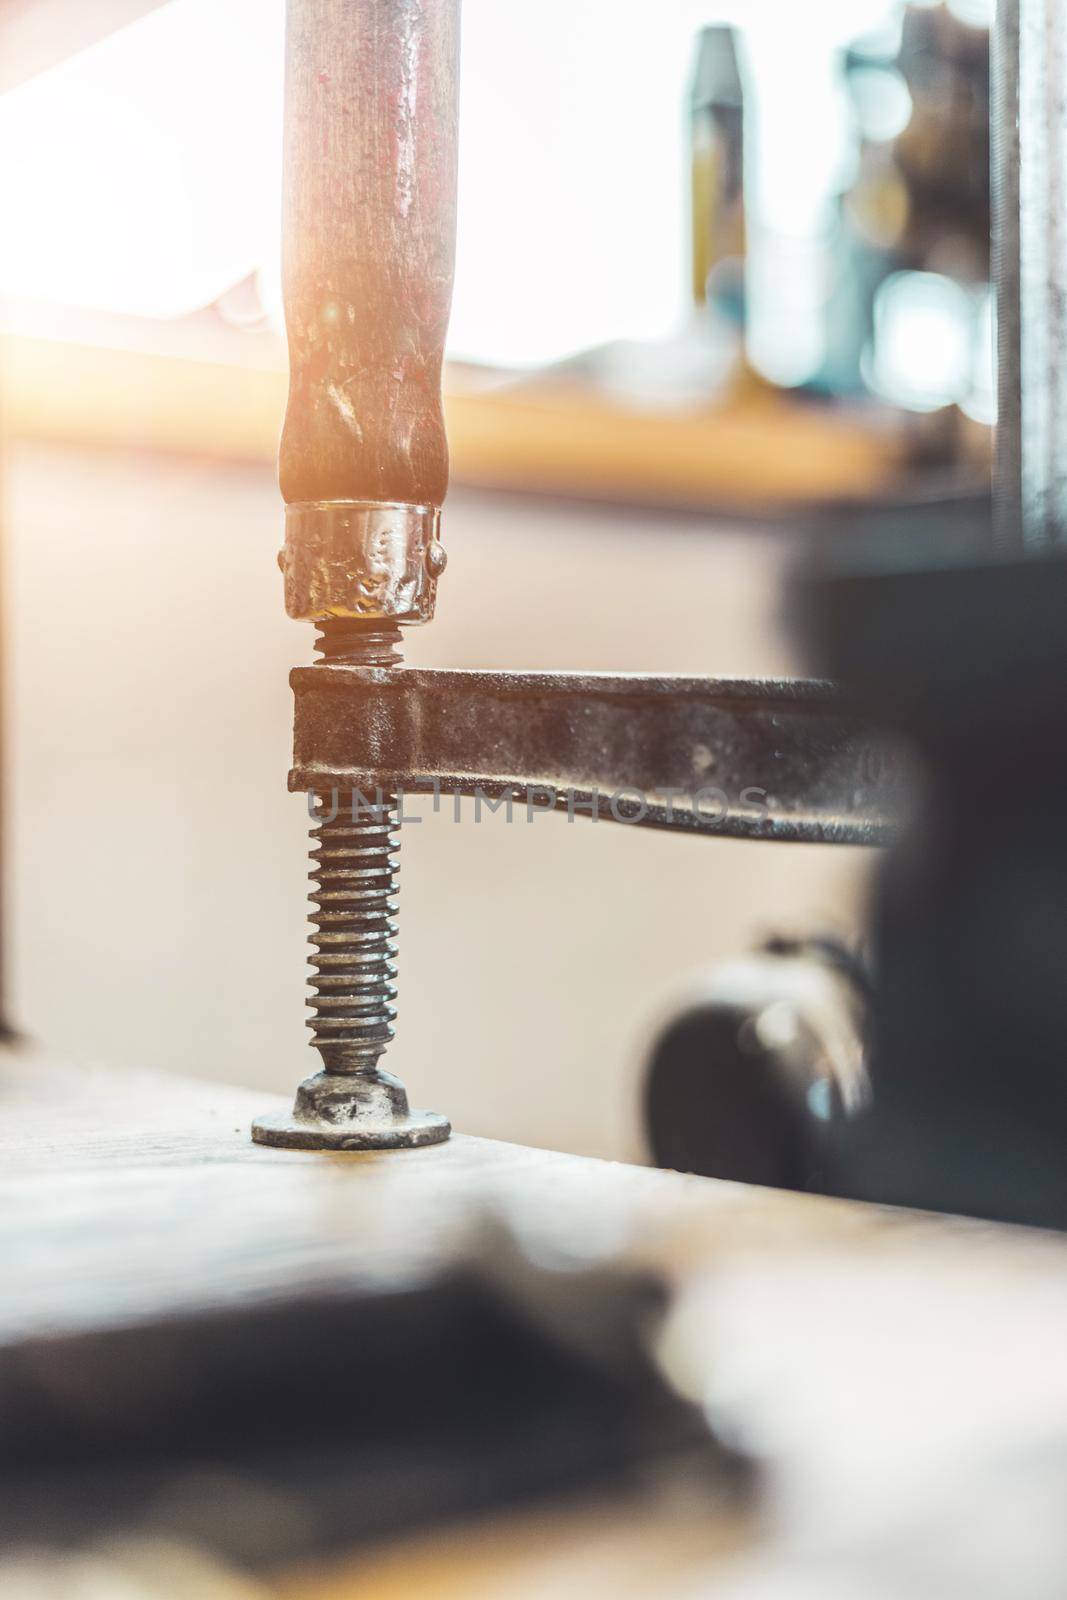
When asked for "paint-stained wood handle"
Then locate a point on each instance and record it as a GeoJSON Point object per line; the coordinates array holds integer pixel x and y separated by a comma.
{"type": "Point", "coordinates": [368, 247]}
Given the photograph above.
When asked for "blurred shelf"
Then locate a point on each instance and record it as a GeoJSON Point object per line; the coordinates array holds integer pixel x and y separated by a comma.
{"type": "Point", "coordinates": [763, 453]}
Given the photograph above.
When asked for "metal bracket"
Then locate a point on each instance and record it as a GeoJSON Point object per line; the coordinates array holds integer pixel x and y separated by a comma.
{"type": "Point", "coordinates": [730, 758]}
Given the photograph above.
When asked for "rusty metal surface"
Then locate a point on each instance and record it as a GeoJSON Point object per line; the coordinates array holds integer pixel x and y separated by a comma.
{"type": "Point", "coordinates": [356, 1128]}
{"type": "Point", "coordinates": [752, 759]}
{"type": "Point", "coordinates": [358, 558]}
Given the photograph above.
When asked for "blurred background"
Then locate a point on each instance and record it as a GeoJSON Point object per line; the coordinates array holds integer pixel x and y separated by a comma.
{"type": "Point", "coordinates": [723, 277]}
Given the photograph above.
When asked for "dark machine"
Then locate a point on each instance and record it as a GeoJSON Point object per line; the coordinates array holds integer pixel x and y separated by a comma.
{"type": "Point", "coordinates": [949, 633]}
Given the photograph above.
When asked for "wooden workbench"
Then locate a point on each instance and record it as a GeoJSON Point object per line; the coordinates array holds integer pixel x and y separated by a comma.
{"type": "Point", "coordinates": [903, 1377]}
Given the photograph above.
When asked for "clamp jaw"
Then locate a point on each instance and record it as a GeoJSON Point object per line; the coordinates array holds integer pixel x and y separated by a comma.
{"type": "Point", "coordinates": [759, 759]}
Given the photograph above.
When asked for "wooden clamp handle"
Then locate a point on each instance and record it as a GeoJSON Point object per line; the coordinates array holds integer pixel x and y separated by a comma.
{"type": "Point", "coordinates": [369, 223]}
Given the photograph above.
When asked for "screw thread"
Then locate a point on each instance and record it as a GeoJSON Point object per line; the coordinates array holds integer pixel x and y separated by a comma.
{"type": "Point", "coordinates": [361, 644]}
{"type": "Point", "coordinates": [354, 870]}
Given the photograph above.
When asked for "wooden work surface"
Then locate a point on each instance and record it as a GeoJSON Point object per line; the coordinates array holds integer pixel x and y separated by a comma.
{"type": "Point", "coordinates": [904, 1377]}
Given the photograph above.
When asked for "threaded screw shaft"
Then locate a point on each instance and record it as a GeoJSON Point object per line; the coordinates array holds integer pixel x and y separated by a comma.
{"type": "Point", "coordinates": [354, 870]}
{"type": "Point", "coordinates": [353, 1104]}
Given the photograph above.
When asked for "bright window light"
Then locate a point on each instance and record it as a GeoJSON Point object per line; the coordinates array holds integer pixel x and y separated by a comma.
{"type": "Point", "coordinates": [572, 223]}
{"type": "Point", "coordinates": [142, 176]}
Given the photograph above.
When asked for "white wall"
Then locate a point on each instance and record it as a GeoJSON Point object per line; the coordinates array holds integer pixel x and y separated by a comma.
{"type": "Point", "coordinates": [157, 862]}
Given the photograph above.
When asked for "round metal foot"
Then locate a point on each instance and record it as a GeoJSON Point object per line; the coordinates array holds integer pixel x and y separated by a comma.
{"type": "Point", "coordinates": [352, 1111]}
{"type": "Point", "coordinates": [402, 1133]}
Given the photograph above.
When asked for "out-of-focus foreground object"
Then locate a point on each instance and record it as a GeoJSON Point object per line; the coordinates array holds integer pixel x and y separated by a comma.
{"type": "Point", "coordinates": [327, 1373]}
{"type": "Point", "coordinates": [969, 1097]}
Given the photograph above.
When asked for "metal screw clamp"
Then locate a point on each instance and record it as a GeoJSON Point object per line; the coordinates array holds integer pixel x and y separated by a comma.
{"type": "Point", "coordinates": [361, 559]}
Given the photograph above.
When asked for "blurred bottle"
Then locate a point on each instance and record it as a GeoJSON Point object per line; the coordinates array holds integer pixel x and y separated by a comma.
{"type": "Point", "coordinates": [872, 213]}
{"type": "Point", "coordinates": [717, 172]}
